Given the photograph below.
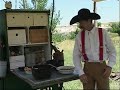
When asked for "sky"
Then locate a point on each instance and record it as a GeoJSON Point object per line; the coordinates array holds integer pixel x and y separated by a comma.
{"type": "Point", "coordinates": [108, 9]}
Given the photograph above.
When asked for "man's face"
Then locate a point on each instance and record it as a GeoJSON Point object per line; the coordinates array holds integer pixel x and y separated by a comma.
{"type": "Point", "coordinates": [83, 24]}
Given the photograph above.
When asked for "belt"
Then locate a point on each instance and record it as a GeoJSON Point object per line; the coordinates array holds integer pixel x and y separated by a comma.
{"type": "Point", "coordinates": [103, 61]}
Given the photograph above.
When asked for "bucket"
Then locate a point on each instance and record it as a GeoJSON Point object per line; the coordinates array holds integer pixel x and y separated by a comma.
{"type": "Point", "coordinates": [3, 68]}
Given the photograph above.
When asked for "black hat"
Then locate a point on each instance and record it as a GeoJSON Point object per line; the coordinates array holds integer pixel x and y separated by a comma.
{"type": "Point", "coordinates": [84, 14]}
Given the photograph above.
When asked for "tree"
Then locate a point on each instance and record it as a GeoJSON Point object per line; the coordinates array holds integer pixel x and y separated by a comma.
{"type": "Point", "coordinates": [41, 5]}
{"type": "Point", "coordinates": [24, 4]}
{"type": "Point", "coordinates": [56, 19]}
{"type": "Point", "coordinates": [115, 27]}
{"type": "Point", "coordinates": [99, 24]}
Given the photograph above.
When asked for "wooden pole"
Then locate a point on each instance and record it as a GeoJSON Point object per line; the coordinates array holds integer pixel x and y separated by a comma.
{"type": "Point", "coordinates": [94, 7]}
{"type": "Point", "coordinates": [94, 10]}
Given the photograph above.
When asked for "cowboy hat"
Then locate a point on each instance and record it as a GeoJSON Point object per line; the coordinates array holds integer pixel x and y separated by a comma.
{"type": "Point", "coordinates": [84, 14]}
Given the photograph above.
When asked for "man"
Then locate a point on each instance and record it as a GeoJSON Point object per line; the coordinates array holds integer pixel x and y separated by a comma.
{"type": "Point", "coordinates": [94, 47]}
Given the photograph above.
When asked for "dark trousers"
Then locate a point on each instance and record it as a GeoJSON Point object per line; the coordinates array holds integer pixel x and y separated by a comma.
{"type": "Point", "coordinates": [94, 72]}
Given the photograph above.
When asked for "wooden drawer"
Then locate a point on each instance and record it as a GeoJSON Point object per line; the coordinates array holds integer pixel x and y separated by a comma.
{"type": "Point", "coordinates": [17, 61]}
{"type": "Point", "coordinates": [20, 58]}
{"type": "Point", "coordinates": [40, 19]}
{"type": "Point", "coordinates": [16, 36]}
{"type": "Point", "coordinates": [29, 19]}
{"type": "Point", "coordinates": [15, 19]}
{"type": "Point", "coordinates": [38, 35]}
{"type": "Point", "coordinates": [14, 65]}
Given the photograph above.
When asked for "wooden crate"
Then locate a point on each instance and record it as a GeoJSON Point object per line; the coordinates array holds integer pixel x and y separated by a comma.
{"type": "Point", "coordinates": [38, 35]}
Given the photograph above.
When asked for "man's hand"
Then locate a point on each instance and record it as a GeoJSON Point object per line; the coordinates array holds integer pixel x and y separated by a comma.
{"type": "Point", "coordinates": [107, 72]}
{"type": "Point", "coordinates": [83, 78]}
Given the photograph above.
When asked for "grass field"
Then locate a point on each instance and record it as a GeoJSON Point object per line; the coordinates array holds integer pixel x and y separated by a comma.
{"type": "Point", "coordinates": [67, 46]}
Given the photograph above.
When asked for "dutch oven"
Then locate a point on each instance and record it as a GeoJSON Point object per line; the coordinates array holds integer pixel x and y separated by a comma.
{"type": "Point", "coordinates": [41, 71]}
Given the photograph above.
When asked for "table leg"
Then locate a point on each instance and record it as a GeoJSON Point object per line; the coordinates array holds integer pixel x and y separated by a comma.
{"type": "Point", "coordinates": [57, 86]}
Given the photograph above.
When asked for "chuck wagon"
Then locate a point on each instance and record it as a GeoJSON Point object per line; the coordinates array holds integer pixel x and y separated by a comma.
{"type": "Point", "coordinates": [26, 52]}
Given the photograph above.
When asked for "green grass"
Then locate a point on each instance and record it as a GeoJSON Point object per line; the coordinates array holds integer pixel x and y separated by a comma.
{"type": "Point", "coordinates": [67, 46]}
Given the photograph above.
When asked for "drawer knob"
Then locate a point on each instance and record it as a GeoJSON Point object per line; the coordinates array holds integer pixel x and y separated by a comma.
{"type": "Point", "coordinates": [16, 34]}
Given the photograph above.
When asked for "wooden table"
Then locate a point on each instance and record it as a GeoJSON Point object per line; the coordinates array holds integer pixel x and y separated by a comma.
{"type": "Point", "coordinates": [56, 78]}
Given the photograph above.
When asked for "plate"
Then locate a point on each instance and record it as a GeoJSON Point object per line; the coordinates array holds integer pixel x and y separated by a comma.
{"type": "Point", "coordinates": [65, 69]}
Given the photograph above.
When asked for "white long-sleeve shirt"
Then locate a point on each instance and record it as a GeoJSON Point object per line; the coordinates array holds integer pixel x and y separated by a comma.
{"type": "Point", "coordinates": [92, 49]}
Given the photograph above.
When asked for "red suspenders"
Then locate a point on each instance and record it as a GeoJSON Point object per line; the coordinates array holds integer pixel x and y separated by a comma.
{"type": "Point", "coordinates": [83, 45]}
{"type": "Point", "coordinates": [100, 33]}
{"type": "Point", "coordinates": [100, 44]}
